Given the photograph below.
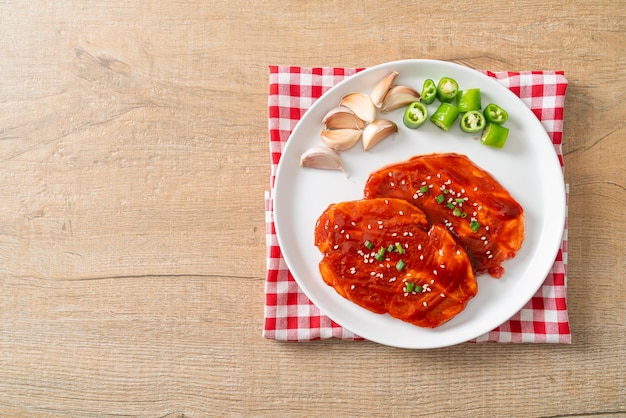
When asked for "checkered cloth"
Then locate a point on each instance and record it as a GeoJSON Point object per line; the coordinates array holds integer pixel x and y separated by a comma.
{"type": "Point", "coordinates": [291, 316]}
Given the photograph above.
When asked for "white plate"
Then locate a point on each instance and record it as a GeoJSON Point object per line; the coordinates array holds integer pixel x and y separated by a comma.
{"type": "Point", "coordinates": [527, 167]}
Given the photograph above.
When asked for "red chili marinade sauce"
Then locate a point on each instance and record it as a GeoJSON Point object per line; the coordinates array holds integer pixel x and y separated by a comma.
{"type": "Point", "coordinates": [385, 256]}
{"type": "Point", "coordinates": [459, 195]}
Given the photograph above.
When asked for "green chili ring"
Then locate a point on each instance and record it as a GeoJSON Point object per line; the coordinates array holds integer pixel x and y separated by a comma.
{"type": "Point", "coordinates": [429, 92]}
{"type": "Point", "coordinates": [469, 99]}
{"type": "Point", "coordinates": [415, 115]}
{"type": "Point", "coordinates": [447, 89]}
{"type": "Point", "coordinates": [495, 114]}
{"type": "Point", "coordinates": [494, 135]}
{"type": "Point", "coordinates": [472, 121]}
{"type": "Point", "coordinates": [444, 116]}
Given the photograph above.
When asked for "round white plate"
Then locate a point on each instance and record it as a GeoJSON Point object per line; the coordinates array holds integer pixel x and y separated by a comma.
{"type": "Point", "coordinates": [527, 167]}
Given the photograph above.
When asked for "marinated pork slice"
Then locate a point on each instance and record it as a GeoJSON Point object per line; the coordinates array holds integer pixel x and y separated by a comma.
{"type": "Point", "coordinates": [467, 200]}
{"type": "Point", "coordinates": [383, 255]}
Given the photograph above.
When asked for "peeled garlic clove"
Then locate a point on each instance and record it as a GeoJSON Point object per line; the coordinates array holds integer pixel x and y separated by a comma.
{"type": "Point", "coordinates": [399, 96]}
{"type": "Point", "coordinates": [321, 157]}
{"type": "Point", "coordinates": [340, 139]}
{"type": "Point", "coordinates": [361, 105]}
{"type": "Point", "coordinates": [381, 89]}
{"type": "Point", "coordinates": [341, 117]}
{"type": "Point", "coordinates": [377, 131]}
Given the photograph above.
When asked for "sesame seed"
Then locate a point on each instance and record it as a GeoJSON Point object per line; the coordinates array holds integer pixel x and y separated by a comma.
{"type": "Point", "coordinates": [347, 236]}
{"type": "Point", "coordinates": [490, 256]}
{"type": "Point", "coordinates": [483, 238]}
{"type": "Point", "coordinates": [443, 266]}
{"type": "Point", "coordinates": [442, 295]}
{"type": "Point", "coordinates": [386, 201]}
{"type": "Point", "coordinates": [389, 174]}
{"type": "Point", "coordinates": [406, 294]}
{"type": "Point", "coordinates": [391, 184]}
{"type": "Point", "coordinates": [425, 304]}
{"type": "Point", "coordinates": [438, 175]}
{"type": "Point", "coordinates": [441, 252]}
{"type": "Point", "coordinates": [435, 272]}
{"type": "Point", "coordinates": [432, 281]}
{"type": "Point", "coordinates": [427, 177]}
{"type": "Point", "coordinates": [421, 256]}
{"type": "Point", "coordinates": [395, 234]}
{"type": "Point", "coordinates": [463, 191]}
{"type": "Point", "coordinates": [380, 222]}
{"type": "Point", "coordinates": [400, 212]}
{"type": "Point", "coordinates": [475, 188]}
{"type": "Point", "coordinates": [487, 228]}
{"type": "Point", "coordinates": [415, 196]}
{"type": "Point", "coordinates": [419, 246]}
{"type": "Point", "coordinates": [353, 223]}
{"type": "Point", "coordinates": [485, 242]}
{"type": "Point", "coordinates": [380, 227]}
{"type": "Point", "coordinates": [369, 226]}
{"type": "Point", "coordinates": [352, 287]}
{"type": "Point", "coordinates": [336, 247]}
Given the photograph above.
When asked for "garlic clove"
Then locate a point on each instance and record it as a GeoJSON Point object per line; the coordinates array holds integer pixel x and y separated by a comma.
{"type": "Point", "coordinates": [340, 139]}
{"type": "Point", "coordinates": [381, 89]}
{"type": "Point", "coordinates": [377, 131]}
{"type": "Point", "coordinates": [399, 96]}
{"type": "Point", "coordinates": [361, 105]}
{"type": "Point", "coordinates": [342, 117]}
{"type": "Point", "coordinates": [321, 157]}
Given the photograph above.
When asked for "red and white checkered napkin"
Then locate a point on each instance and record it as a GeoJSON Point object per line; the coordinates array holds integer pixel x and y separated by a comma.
{"type": "Point", "coordinates": [291, 316]}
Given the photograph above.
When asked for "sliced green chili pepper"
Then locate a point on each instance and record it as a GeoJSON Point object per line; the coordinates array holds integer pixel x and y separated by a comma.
{"type": "Point", "coordinates": [429, 92]}
{"type": "Point", "coordinates": [445, 115]}
{"type": "Point", "coordinates": [494, 135]}
{"type": "Point", "coordinates": [472, 121]}
{"type": "Point", "coordinates": [467, 100]}
{"type": "Point", "coordinates": [495, 114]}
{"type": "Point", "coordinates": [447, 89]}
{"type": "Point", "coordinates": [415, 115]}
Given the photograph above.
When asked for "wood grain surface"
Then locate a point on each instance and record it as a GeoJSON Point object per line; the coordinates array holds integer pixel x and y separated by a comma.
{"type": "Point", "coordinates": [133, 162]}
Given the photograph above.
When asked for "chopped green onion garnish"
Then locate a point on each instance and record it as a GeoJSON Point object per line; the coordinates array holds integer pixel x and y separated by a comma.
{"type": "Point", "coordinates": [380, 256]}
{"type": "Point", "coordinates": [409, 287]}
{"type": "Point", "coordinates": [440, 198]}
{"type": "Point", "coordinates": [418, 288]}
{"type": "Point", "coordinates": [369, 245]}
{"type": "Point", "coordinates": [450, 205]}
{"type": "Point", "coordinates": [460, 200]}
{"type": "Point", "coordinates": [457, 212]}
{"type": "Point", "coordinates": [475, 226]}
{"type": "Point", "coordinates": [423, 189]}
{"type": "Point", "coordinates": [445, 191]}
{"type": "Point", "coordinates": [400, 265]}
{"type": "Point", "coordinates": [399, 248]}
{"type": "Point", "coordinates": [464, 215]}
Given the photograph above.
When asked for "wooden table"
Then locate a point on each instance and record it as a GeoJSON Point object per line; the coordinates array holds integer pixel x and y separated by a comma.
{"type": "Point", "coordinates": [133, 161]}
